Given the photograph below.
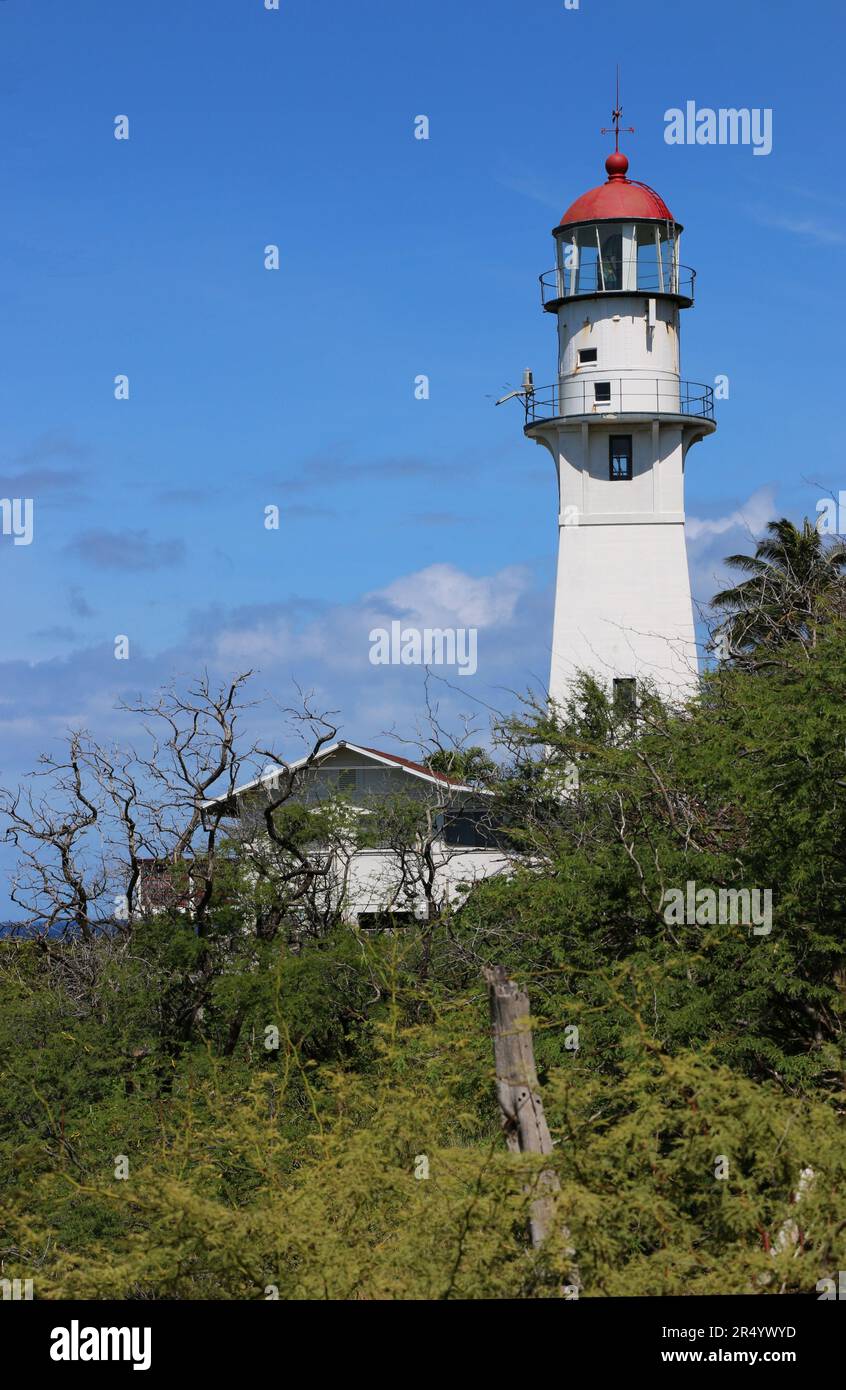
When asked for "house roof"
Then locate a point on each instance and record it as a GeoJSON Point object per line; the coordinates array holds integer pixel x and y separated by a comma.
{"type": "Point", "coordinates": [420, 768]}
{"type": "Point", "coordinates": [374, 754]}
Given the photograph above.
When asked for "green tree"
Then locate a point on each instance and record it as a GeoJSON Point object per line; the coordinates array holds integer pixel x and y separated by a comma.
{"type": "Point", "coordinates": [472, 765]}
{"type": "Point", "coordinates": [693, 1067]}
{"type": "Point", "coordinates": [793, 575]}
{"type": "Point", "coordinates": [743, 791]}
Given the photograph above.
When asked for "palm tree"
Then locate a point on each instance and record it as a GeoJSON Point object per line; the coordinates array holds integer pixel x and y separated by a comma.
{"type": "Point", "coordinates": [794, 576]}
{"type": "Point", "coordinates": [471, 765]}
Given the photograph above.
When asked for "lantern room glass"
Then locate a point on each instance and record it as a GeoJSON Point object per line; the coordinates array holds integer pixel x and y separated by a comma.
{"type": "Point", "coordinates": [608, 257]}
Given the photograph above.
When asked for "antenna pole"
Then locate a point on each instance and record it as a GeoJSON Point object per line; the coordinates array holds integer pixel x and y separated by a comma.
{"type": "Point", "coordinates": [616, 115]}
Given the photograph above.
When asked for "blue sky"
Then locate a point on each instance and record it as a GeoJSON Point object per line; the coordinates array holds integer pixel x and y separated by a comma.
{"type": "Point", "coordinates": [250, 387]}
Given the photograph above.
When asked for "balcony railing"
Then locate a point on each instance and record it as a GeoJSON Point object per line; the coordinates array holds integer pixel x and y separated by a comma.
{"type": "Point", "coordinates": [626, 396]}
{"type": "Point", "coordinates": [616, 277]}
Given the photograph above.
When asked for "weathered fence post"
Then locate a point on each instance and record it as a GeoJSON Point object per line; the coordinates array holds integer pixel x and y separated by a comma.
{"type": "Point", "coordinates": [520, 1104]}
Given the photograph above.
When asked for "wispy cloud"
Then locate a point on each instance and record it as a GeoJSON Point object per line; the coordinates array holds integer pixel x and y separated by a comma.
{"type": "Point", "coordinates": [35, 482]}
{"type": "Point", "coordinates": [304, 511]}
{"type": "Point", "coordinates": [818, 229]}
{"type": "Point", "coordinates": [808, 194]}
{"type": "Point", "coordinates": [78, 603]}
{"type": "Point", "coordinates": [47, 468]}
{"type": "Point", "coordinates": [186, 496]}
{"type": "Point", "coordinates": [52, 444]}
{"type": "Point", "coordinates": [327, 470]}
{"type": "Point", "coordinates": [125, 550]}
{"type": "Point", "coordinates": [57, 634]}
{"type": "Point", "coordinates": [535, 189]}
{"type": "Point", "coordinates": [751, 516]}
{"type": "Point", "coordinates": [439, 519]}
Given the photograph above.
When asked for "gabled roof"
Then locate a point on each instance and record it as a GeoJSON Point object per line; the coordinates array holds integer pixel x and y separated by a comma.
{"type": "Point", "coordinates": [419, 768]}
{"type": "Point", "coordinates": [373, 754]}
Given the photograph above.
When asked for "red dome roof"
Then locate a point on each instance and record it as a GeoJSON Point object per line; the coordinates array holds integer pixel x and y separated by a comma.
{"type": "Point", "coordinates": [619, 198]}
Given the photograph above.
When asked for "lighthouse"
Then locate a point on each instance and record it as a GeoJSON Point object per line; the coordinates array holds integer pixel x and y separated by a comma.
{"type": "Point", "coordinates": [619, 422]}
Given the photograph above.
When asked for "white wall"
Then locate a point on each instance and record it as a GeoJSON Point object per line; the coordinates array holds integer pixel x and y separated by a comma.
{"type": "Point", "coordinates": [637, 345]}
{"type": "Point", "coordinates": [623, 606]}
{"type": "Point", "coordinates": [370, 878]}
{"type": "Point", "coordinates": [656, 490]}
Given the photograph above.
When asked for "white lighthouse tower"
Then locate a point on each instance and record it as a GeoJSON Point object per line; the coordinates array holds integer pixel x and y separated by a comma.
{"type": "Point", "coordinates": [619, 422]}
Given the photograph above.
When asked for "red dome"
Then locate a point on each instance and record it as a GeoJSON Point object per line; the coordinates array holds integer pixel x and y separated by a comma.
{"type": "Point", "coordinates": [619, 198]}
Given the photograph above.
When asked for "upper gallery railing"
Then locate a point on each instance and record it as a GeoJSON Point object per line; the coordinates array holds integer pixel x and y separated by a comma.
{"type": "Point", "coordinates": [616, 277]}
{"type": "Point", "coordinates": [625, 395]}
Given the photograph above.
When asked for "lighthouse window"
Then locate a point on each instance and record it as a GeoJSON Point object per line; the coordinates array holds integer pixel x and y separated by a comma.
{"type": "Point", "coordinates": [586, 355]}
{"type": "Point", "coordinates": [625, 696]}
{"type": "Point", "coordinates": [602, 392]}
{"type": "Point", "coordinates": [620, 457]}
{"type": "Point", "coordinates": [612, 260]}
{"type": "Point", "coordinates": [586, 268]}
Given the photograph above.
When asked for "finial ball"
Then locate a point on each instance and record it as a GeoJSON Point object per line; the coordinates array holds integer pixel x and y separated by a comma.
{"type": "Point", "coordinates": [617, 165]}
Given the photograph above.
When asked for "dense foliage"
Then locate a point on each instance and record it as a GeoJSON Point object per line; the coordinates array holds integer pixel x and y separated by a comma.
{"type": "Point", "coordinates": [252, 1102]}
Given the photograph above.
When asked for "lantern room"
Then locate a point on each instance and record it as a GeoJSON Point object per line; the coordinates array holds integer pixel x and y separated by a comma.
{"type": "Point", "coordinates": [619, 238]}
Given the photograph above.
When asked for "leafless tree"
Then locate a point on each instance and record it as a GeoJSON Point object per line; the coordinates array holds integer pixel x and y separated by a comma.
{"type": "Point", "coordinates": [95, 827]}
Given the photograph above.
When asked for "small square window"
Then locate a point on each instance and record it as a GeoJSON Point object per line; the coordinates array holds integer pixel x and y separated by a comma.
{"type": "Point", "coordinates": [602, 392]}
{"type": "Point", "coordinates": [620, 458]}
{"type": "Point", "coordinates": [586, 356]}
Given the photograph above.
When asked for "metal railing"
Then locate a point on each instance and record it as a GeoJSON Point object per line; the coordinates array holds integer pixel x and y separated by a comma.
{"type": "Point", "coordinates": [623, 396]}
{"type": "Point", "coordinates": [616, 277]}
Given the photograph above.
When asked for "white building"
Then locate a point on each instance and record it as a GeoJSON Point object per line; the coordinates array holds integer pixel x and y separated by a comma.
{"type": "Point", "coordinates": [439, 852]}
{"type": "Point", "coordinates": [619, 422]}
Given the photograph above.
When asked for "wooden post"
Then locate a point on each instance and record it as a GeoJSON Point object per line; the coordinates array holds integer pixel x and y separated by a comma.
{"type": "Point", "coordinates": [520, 1104]}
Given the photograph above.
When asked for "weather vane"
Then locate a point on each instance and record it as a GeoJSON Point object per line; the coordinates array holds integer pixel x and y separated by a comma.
{"type": "Point", "coordinates": [615, 116]}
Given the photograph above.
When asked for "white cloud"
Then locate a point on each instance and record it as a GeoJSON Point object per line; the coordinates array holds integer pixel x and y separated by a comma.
{"type": "Point", "coordinates": [752, 516]}
{"type": "Point", "coordinates": [444, 595]}
{"type": "Point", "coordinates": [335, 639]}
{"type": "Point", "coordinates": [711, 539]}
